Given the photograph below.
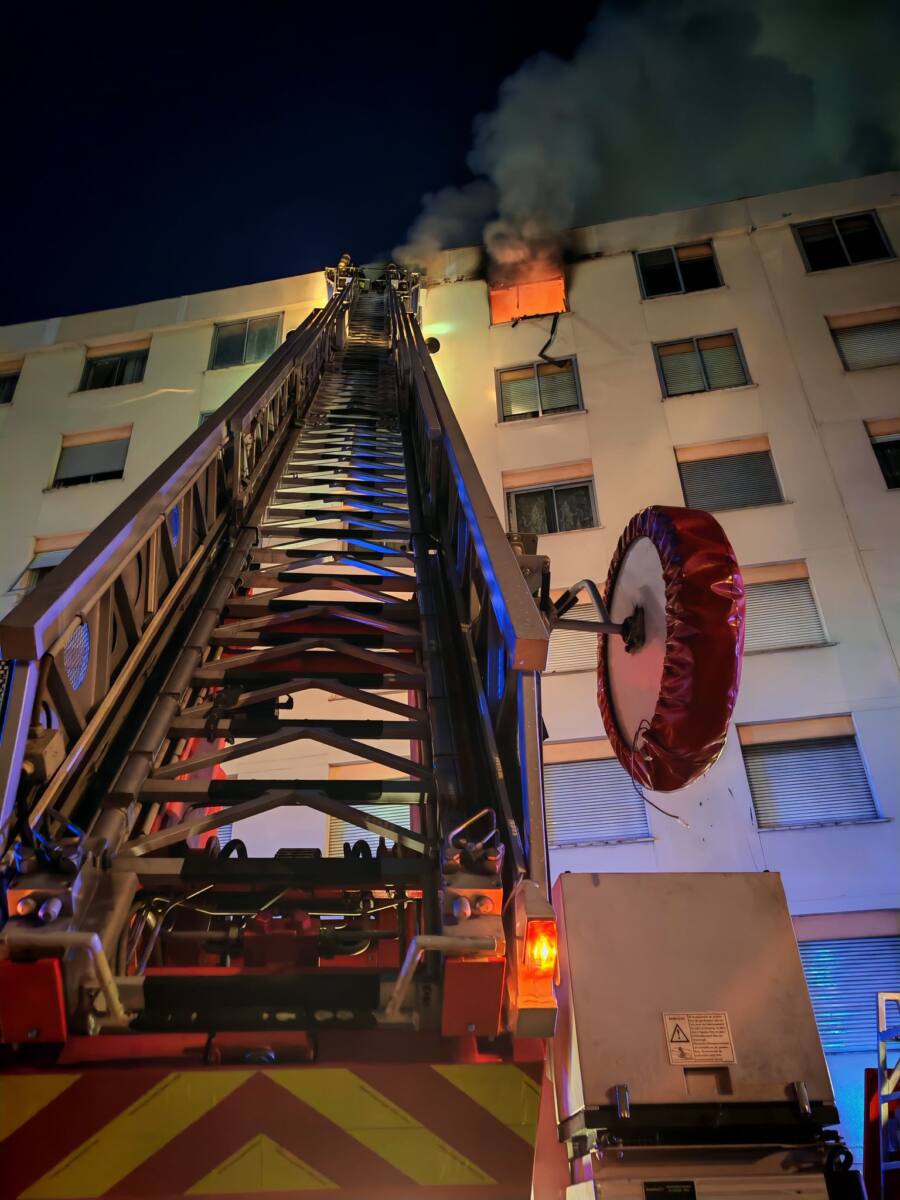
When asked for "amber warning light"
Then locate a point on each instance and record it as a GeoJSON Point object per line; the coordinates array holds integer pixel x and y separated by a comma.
{"type": "Point", "coordinates": [541, 947]}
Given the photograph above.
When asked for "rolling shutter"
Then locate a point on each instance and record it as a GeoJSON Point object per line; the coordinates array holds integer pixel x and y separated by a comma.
{"type": "Point", "coordinates": [518, 393]}
{"type": "Point", "coordinates": [340, 831]}
{"type": "Point", "coordinates": [570, 649]}
{"type": "Point", "coordinates": [844, 977]}
{"type": "Point", "coordinates": [808, 782]}
{"type": "Point", "coordinates": [780, 615]}
{"type": "Point", "coordinates": [680, 365]}
{"type": "Point", "coordinates": [591, 802]}
{"type": "Point", "coordinates": [863, 346]}
{"type": "Point", "coordinates": [93, 458]}
{"type": "Point", "coordinates": [559, 391]}
{"type": "Point", "coordinates": [733, 481]}
{"type": "Point", "coordinates": [722, 360]}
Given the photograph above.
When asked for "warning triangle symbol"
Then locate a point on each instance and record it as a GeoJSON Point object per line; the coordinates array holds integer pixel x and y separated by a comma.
{"type": "Point", "coordinates": [678, 1035]}
{"type": "Point", "coordinates": [261, 1165]}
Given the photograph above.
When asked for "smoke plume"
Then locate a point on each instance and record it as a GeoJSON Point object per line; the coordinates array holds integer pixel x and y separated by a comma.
{"type": "Point", "coordinates": [672, 104]}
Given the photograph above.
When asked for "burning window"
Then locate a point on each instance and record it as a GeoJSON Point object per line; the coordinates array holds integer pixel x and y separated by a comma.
{"type": "Point", "coordinates": [534, 298]}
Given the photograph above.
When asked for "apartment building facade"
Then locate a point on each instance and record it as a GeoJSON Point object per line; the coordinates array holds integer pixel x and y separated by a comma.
{"type": "Point", "coordinates": [743, 357]}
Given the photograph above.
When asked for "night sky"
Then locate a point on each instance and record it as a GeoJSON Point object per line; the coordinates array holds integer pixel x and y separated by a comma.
{"type": "Point", "coordinates": [154, 150]}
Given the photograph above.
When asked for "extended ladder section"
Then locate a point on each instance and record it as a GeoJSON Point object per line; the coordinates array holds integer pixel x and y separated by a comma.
{"type": "Point", "coordinates": [316, 577]}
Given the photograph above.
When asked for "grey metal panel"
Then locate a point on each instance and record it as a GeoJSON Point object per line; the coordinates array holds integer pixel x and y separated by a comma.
{"type": "Point", "coordinates": [682, 373]}
{"type": "Point", "coordinates": [724, 367]}
{"type": "Point", "coordinates": [808, 782]}
{"type": "Point", "coordinates": [864, 346]}
{"type": "Point", "coordinates": [590, 802]}
{"type": "Point", "coordinates": [734, 481]}
{"type": "Point", "coordinates": [340, 831]}
{"type": "Point", "coordinates": [780, 615]}
{"type": "Point", "coordinates": [571, 649]}
{"type": "Point", "coordinates": [844, 976]}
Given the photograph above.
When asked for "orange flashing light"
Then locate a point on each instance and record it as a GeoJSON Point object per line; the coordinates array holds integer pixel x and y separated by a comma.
{"type": "Point", "coordinates": [541, 949]}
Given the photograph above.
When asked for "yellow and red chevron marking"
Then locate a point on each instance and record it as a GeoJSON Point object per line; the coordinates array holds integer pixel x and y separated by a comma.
{"type": "Point", "coordinates": [403, 1131]}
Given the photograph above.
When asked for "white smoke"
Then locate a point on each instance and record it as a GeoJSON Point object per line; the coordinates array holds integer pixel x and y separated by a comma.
{"type": "Point", "coordinates": [672, 104]}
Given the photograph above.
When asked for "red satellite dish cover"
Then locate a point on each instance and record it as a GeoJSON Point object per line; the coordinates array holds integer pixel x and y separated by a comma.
{"type": "Point", "coordinates": [666, 706]}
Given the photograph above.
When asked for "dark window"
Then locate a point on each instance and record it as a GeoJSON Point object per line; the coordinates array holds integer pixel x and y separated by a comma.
{"type": "Point", "coordinates": [91, 463]}
{"type": "Point", "coordinates": [238, 342]}
{"type": "Point", "coordinates": [539, 389]}
{"type": "Point", "coordinates": [733, 481]}
{"type": "Point", "coordinates": [843, 241]}
{"type": "Point", "coordinates": [8, 383]}
{"type": "Point", "coordinates": [887, 451]}
{"type": "Point", "coordinates": [555, 509]}
{"type": "Point", "coordinates": [678, 269]}
{"type": "Point", "coordinates": [112, 370]}
{"type": "Point", "coordinates": [864, 346]}
{"type": "Point", "coordinates": [701, 364]}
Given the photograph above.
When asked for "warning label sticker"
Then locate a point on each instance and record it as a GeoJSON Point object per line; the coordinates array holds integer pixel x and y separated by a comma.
{"type": "Point", "coordinates": [698, 1038]}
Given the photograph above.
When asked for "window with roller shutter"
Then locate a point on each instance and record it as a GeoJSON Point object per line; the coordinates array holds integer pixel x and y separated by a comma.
{"type": "Point", "coordinates": [866, 340]}
{"type": "Point", "coordinates": [538, 389]}
{"type": "Point", "coordinates": [701, 364]}
{"type": "Point", "coordinates": [592, 802]}
{"type": "Point", "coordinates": [844, 977]}
{"type": "Point", "coordinates": [781, 609]}
{"type": "Point", "coordinates": [92, 457]}
{"type": "Point", "coordinates": [728, 475]}
{"type": "Point", "coordinates": [573, 649]}
{"type": "Point", "coordinates": [341, 831]}
{"type": "Point", "coordinates": [806, 773]}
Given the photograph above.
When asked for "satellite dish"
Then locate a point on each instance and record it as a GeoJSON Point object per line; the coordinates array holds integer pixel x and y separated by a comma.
{"type": "Point", "coordinates": [667, 687]}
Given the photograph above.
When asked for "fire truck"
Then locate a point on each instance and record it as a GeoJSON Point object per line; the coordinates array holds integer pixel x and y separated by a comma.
{"type": "Point", "coordinates": [321, 562]}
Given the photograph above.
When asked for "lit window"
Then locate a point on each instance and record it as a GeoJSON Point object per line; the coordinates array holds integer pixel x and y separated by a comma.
{"type": "Point", "coordinates": [870, 339]}
{"type": "Point", "coordinates": [806, 773]}
{"type": "Point", "coordinates": [728, 475]}
{"type": "Point", "coordinates": [781, 609]}
{"type": "Point", "coordinates": [842, 241]}
{"type": "Point", "coordinates": [540, 389]}
{"type": "Point", "coordinates": [592, 802]}
{"type": "Point", "coordinates": [554, 509]}
{"type": "Point", "coordinates": [238, 342]}
{"type": "Point", "coordinates": [92, 457]}
{"type": "Point", "coordinates": [885, 439]}
{"type": "Point", "coordinates": [105, 367]}
{"type": "Point", "coordinates": [677, 269]}
{"type": "Point", "coordinates": [8, 381]}
{"type": "Point", "coordinates": [540, 298]}
{"type": "Point", "coordinates": [701, 364]}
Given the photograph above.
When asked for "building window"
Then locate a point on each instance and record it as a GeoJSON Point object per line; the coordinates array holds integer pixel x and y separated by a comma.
{"type": "Point", "coordinates": [40, 566]}
{"type": "Point", "coordinates": [556, 508]}
{"type": "Point", "coordinates": [341, 831]}
{"type": "Point", "coordinates": [113, 367]}
{"type": "Point", "coordinates": [781, 609]}
{"type": "Point", "coordinates": [8, 381]}
{"type": "Point", "coordinates": [885, 439]}
{"type": "Point", "coordinates": [701, 364]}
{"type": "Point", "coordinates": [844, 977]}
{"type": "Point", "coordinates": [592, 802]}
{"type": "Point", "coordinates": [677, 269]}
{"type": "Point", "coordinates": [729, 475]}
{"type": "Point", "coordinates": [539, 389]}
{"type": "Point", "coordinates": [842, 241]}
{"type": "Point", "coordinates": [806, 773]}
{"type": "Point", "coordinates": [540, 298]}
{"type": "Point", "coordinates": [869, 339]}
{"type": "Point", "coordinates": [572, 649]}
{"type": "Point", "coordinates": [92, 457]}
{"type": "Point", "coordinates": [238, 342]}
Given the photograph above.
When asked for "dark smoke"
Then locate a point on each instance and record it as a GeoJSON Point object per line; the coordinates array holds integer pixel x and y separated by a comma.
{"type": "Point", "coordinates": [670, 105]}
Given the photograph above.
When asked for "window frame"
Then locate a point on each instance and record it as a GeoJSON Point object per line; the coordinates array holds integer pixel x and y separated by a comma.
{"type": "Point", "coordinates": [15, 375]}
{"type": "Point", "coordinates": [90, 359]}
{"type": "Point", "coordinates": [835, 330]}
{"type": "Point", "coordinates": [675, 247]}
{"type": "Point", "coordinates": [540, 415]}
{"type": "Point", "coordinates": [787, 572]}
{"type": "Point", "coordinates": [217, 325]}
{"type": "Point", "coordinates": [657, 346]}
{"type": "Point", "coordinates": [543, 487]}
{"type": "Point", "coordinates": [881, 439]}
{"type": "Point", "coordinates": [866, 212]}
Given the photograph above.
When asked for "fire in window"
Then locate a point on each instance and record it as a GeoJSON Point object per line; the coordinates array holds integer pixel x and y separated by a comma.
{"type": "Point", "coordinates": [529, 298]}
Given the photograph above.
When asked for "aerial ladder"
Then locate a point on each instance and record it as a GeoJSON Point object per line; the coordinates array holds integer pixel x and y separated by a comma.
{"type": "Point", "coordinates": [320, 563]}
